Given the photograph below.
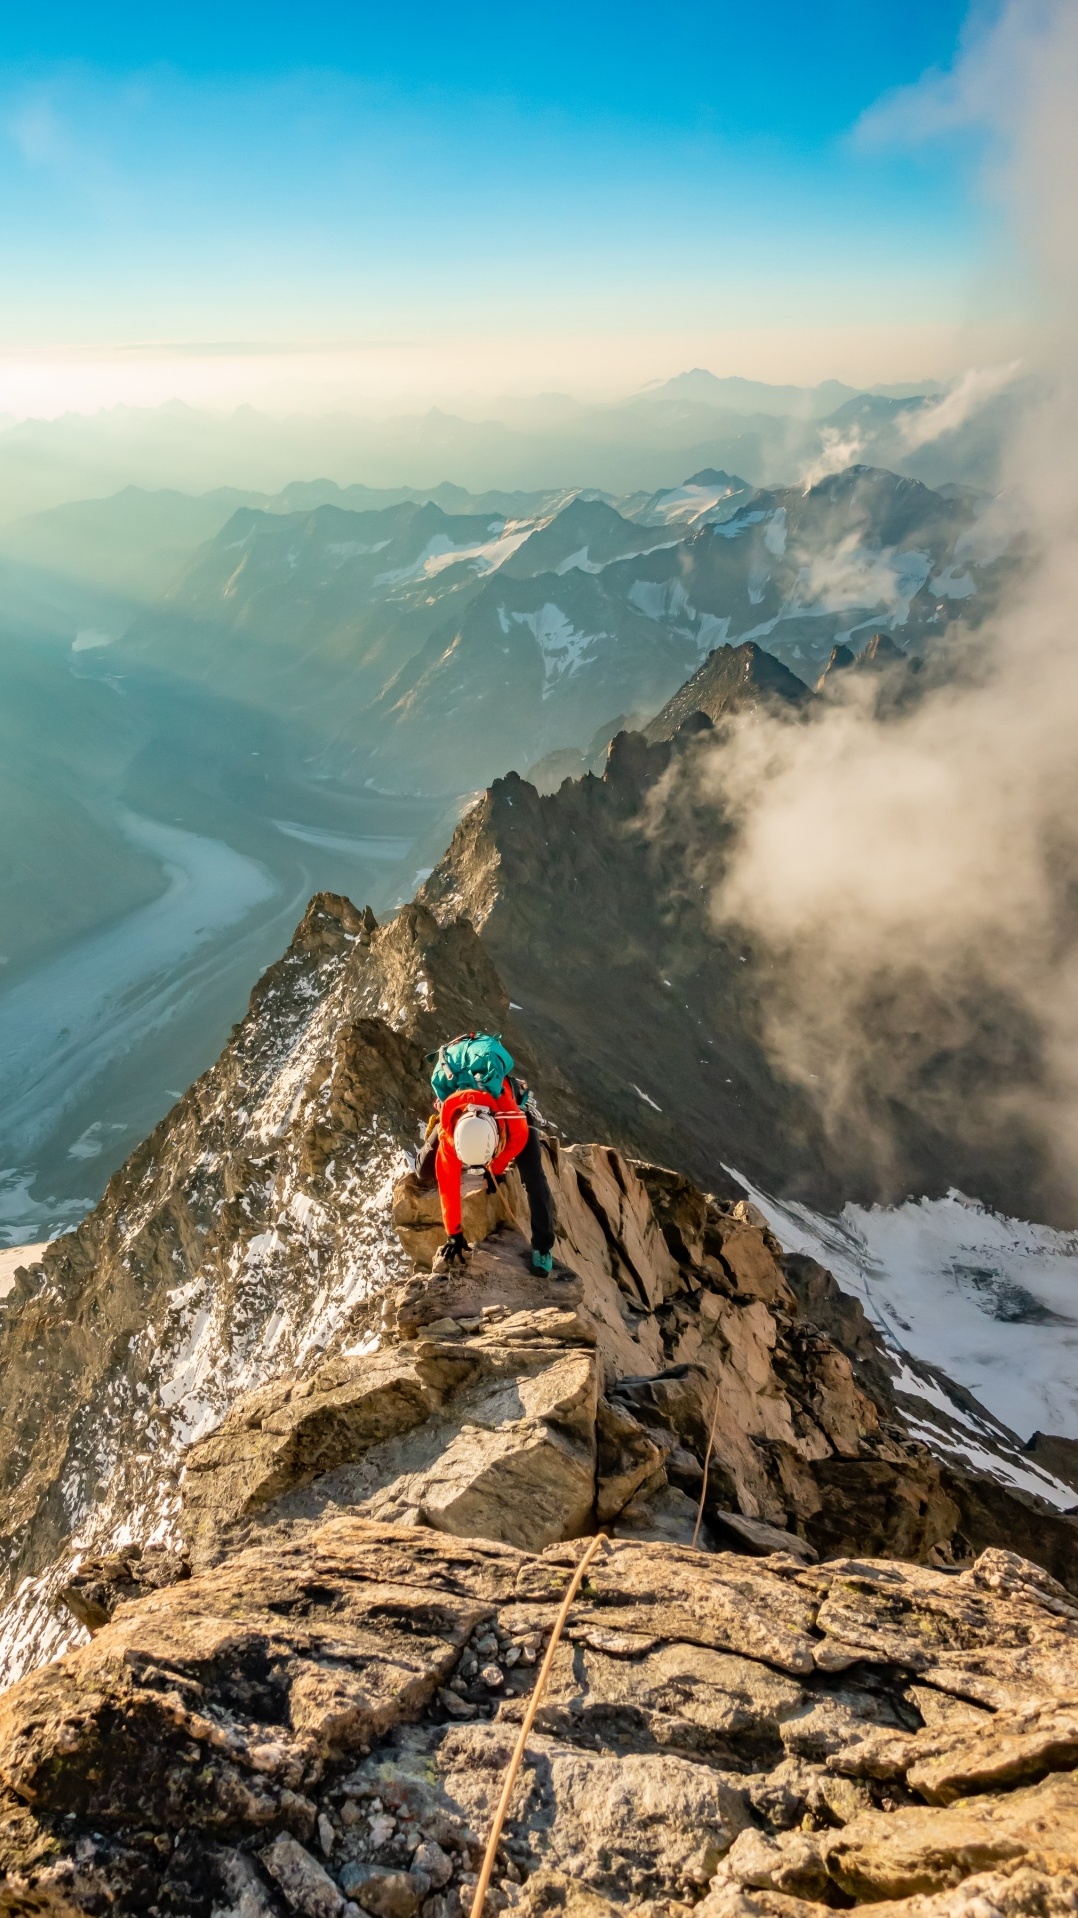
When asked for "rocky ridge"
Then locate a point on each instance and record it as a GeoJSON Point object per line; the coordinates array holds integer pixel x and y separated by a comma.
{"type": "Point", "coordinates": [311, 1707]}
{"type": "Point", "coordinates": [312, 1510]}
{"type": "Point", "coordinates": [732, 679]}
{"type": "Point", "coordinates": [250, 1241]}
{"type": "Point", "coordinates": [511, 1408]}
{"type": "Point", "coordinates": [804, 1671]}
{"type": "Point", "coordinates": [324, 1723]}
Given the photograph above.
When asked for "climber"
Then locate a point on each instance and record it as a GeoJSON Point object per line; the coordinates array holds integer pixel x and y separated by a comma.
{"type": "Point", "coordinates": [485, 1121]}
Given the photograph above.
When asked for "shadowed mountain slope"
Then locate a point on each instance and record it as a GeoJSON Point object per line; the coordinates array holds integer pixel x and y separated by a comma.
{"type": "Point", "coordinates": [595, 905]}
{"type": "Point", "coordinates": [644, 1015]}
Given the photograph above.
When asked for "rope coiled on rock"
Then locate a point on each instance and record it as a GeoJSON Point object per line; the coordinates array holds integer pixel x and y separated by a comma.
{"type": "Point", "coordinates": [483, 1884]}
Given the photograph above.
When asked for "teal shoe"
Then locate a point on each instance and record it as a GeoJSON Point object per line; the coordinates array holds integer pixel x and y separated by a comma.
{"type": "Point", "coordinates": [542, 1262]}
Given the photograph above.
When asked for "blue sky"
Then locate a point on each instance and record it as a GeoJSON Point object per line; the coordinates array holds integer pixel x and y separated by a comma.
{"type": "Point", "coordinates": [348, 176]}
{"type": "Point", "coordinates": [802, 72]}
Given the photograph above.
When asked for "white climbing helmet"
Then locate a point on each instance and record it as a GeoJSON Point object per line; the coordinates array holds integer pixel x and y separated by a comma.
{"type": "Point", "coordinates": [475, 1136]}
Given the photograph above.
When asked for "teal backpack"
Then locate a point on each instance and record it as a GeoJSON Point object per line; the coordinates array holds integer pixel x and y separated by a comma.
{"type": "Point", "coordinates": [474, 1061]}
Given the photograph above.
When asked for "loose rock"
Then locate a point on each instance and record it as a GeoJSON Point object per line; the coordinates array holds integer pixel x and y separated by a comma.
{"type": "Point", "coordinates": [306, 1887]}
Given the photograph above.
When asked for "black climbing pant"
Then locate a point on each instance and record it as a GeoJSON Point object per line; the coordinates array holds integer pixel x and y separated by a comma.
{"type": "Point", "coordinates": [529, 1161]}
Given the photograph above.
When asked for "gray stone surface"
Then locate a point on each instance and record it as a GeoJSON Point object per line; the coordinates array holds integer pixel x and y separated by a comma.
{"type": "Point", "coordinates": [327, 1717]}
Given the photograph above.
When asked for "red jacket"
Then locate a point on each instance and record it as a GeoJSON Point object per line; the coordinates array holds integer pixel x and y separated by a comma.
{"type": "Point", "coordinates": [512, 1126]}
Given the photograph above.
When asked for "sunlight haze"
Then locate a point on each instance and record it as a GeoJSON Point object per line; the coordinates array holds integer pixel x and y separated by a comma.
{"type": "Point", "coordinates": [355, 213]}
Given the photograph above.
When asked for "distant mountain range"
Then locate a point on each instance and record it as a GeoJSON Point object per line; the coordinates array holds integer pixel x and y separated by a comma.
{"type": "Point", "coordinates": [759, 396]}
{"type": "Point", "coordinates": [435, 649]}
{"type": "Point", "coordinates": [336, 639]}
{"type": "Point", "coordinates": [774, 435]}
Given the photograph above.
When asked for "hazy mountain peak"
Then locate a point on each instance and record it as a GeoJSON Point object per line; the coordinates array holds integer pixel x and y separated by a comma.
{"type": "Point", "coordinates": [738, 395]}
{"type": "Point", "coordinates": [708, 476]}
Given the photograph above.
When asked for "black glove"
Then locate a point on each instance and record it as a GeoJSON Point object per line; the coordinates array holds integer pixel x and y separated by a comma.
{"type": "Point", "coordinates": [492, 1183]}
{"type": "Point", "coordinates": [454, 1251]}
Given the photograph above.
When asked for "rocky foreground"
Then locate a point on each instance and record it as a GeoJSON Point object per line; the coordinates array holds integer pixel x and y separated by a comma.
{"type": "Point", "coordinates": [322, 1723]}
{"type": "Point", "coordinates": [848, 1691]}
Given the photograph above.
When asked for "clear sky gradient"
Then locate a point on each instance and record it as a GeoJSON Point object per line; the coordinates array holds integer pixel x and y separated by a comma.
{"type": "Point", "coordinates": [479, 195]}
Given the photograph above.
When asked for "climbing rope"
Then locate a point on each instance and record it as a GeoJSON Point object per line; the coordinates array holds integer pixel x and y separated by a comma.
{"type": "Point", "coordinates": [707, 1462]}
{"type": "Point", "coordinates": [575, 1583]}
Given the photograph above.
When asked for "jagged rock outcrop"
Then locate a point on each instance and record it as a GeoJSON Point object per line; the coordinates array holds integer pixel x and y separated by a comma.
{"type": "Point", "coordinates": [104, 1580]}
{"type": "Point", "coordinates": [879, 654]}
{"type": "Point", "coordinates": [524, 1410]}
{"type": "Point", "coordinates": [321, 1725]}
{"type": "Point", "coordinates": [470, 1436]}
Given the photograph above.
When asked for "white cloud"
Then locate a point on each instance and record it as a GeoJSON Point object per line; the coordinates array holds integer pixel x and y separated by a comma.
{"type": "Point", "coordinates": [839, 448]}
{"type": "Point", "coordinates": [962, 400]}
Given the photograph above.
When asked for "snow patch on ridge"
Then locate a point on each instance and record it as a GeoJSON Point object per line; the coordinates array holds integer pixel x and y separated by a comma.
{"type": "Point", "coordinates": [661, 599]}
{"type": "Point", "coordinates": [562, 645]}
{"type": "Point", "coordinates": [441, 551]}
{"type": "Point", "coordinates": [33, 1631]}
{"type": "Point", "coordinates": [689, 504]}
{"type": "Point", "coordinates": [952, 584]}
